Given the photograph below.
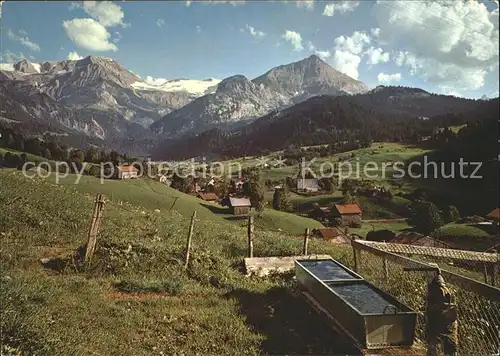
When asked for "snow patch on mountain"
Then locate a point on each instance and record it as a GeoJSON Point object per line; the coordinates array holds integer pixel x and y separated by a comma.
{"type": "Point", "coordinates": [191, 86]}
{"type": "Point", "coordinates": [37, 67]}
{"type": "Point", "coordinates": [8, 67]}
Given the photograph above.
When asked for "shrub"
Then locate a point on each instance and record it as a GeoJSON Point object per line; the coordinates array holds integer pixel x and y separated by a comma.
{"type": "Point", "coordinates": [355, 224]}
{"type": "Point", "coordinates": [380, 235]}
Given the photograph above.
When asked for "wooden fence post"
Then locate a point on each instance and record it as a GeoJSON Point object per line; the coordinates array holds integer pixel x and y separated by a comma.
{"type": "Point", "coordinates": [306, 241]}
{"type": "Point", "coordinates": [172, 206]}
{"type": "Point", "coordinates": [494, 275]}
{"type": "Point", "coordinates": [485, 271]}
{"type": "Point", "coordinates": [190, 235]}
{"type": "Point", "coordinates": [250, 236]}
{"type": "Point", "coordinates": [94, 228]}
{"type": "Point", "coordinates": [357, 260]}
{"type": "Point", "coordinates": [386, 269]}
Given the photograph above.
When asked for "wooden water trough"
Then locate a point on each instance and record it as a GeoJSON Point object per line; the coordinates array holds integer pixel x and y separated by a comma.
{"type": "Point", "coordinates": [369, 316]}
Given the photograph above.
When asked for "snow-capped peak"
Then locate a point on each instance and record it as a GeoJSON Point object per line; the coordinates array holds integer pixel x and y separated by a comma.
{"type": "Point", "coordinates": [190, 86]}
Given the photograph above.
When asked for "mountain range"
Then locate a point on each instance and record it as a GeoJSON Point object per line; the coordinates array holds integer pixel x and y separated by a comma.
{"type": "Point", "coordinates": [97, 98]}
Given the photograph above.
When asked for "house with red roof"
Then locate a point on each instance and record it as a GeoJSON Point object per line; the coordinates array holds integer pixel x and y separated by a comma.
{"type": "Point", "coordinates": [347, 213]}
{"type": "Point", "coordinates": [127, 172]}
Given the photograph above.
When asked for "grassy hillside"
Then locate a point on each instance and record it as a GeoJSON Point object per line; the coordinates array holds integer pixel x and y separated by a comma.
{"type": "Point", "coordinates": [149, 194]}
{"type": "Point", "coordinates": [137, 298]}
{"type": "Point", "coordinates": [378, 153]}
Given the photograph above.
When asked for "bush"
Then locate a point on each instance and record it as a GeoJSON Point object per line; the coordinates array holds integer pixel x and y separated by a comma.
{"type": "Point", "coordinates": [355, 224]}
{"type": "Point", "coordinates": [380, 235]}
{"type": "Point", "coordinates": [336, 222]}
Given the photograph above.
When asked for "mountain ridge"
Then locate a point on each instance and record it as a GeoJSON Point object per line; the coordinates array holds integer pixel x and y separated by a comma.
{"type": "Point", "coordinates": [238, 99]}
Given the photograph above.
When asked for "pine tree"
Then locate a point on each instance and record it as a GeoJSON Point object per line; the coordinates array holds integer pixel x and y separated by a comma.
{"type": "Point", "coordinates": [253, 188]}
{"type": "Point", "coordinates": [277, 199]}
{"type": "Point", "coordinates": [451, 214]}
{"type": "Point", "coordinates": [346, 197]}
{"type": "Point", "coordinates": [425, 217]}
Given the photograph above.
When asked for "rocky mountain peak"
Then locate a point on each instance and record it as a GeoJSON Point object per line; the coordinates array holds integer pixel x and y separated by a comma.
{"type": "Point", "coordinates": [25, 66]}
{"type": "Point", "coordinates": [235, 83]}
{"type": "Point", "coordinates": [309, 77]}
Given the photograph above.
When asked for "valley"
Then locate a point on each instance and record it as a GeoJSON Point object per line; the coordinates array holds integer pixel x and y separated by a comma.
{"type": "Point", "coordinates": [274, 166]}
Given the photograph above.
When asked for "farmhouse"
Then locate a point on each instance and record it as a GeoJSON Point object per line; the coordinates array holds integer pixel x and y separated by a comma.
{"type": "Point", "coordinates": [239, 206]}
{"type": "Point", "coordinates": [208, 197]}
{"type": "Point", "coordinates": [308, 185]}
{"type": "Point", "coordinates": [127, 172]}
{"type": "Point", "coordinates": [347, 213]}
{"type": "Point", "coordinates": [322, 213]}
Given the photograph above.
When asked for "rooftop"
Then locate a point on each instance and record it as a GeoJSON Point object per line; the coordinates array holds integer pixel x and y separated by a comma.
{"type": "Point", "coordinates": [348, 208]}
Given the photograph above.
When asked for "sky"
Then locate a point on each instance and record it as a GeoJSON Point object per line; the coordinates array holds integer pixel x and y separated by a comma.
{"type": "Point", "coordinates": [444, 47]}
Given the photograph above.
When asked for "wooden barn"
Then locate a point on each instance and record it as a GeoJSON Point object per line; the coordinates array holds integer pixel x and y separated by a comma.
{"type": "Point", "coordinates": [347, 213]}
{"type": "Point", "coordinates": [240, 206]}
{"type": "Point", "coordinates": [208, 197]}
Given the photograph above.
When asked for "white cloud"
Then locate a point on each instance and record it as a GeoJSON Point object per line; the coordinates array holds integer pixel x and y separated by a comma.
{"type": "Point", "coordinates": [75, 6]}
{"type": "Point", "coordinates": [117, 38]}
{"type": "Point", "coordinates": [106, 12]}
{"type": "Point", "coordinates": [11, 57]}
{"type": "Point", "coordinates": [89, 34]}
{"type": "Point", "coordinates": [448, 91]}
{"type": "Point", "coordinates": [321, 54]}
{"type": "Point", "coordinates": [73, 56]}
{"type": "Point", "coordinates": [340, 7]}
{"type": "Point", "coordinates": [253, 32]}
{"type": "Point", "coordinates": [376, 56]}
{"type": "Point", "coordinates": [375, 32]}
{"type": "Point", "coordinates": [188, 3]}
{"type": "Point", "coordinates": [348, 51]}
{"type": "Point", "coordinates": [388, 79]}
{"type": "Point", "coordinates": [294, 38]}
{"type": "Point", "coordinates": [23, 39]}
{"type": "Point", "coordinates": [324, 54]}
{"type": "Point", "coordinates": [448, 44]}
{"type": "Point", "coordinates": [305, 4]}
{"type": "Point", "coordinates": [160, 23]}
{"type": "Point", "coordinates": [198, 29]}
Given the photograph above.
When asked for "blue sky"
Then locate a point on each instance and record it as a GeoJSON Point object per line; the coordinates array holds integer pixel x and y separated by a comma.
{"type": "Point", "coordinates": [444, 47]}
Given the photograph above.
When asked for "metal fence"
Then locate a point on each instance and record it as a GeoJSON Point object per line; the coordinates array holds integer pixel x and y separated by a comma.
{"type": "Point", "coordinates": [478, 303]}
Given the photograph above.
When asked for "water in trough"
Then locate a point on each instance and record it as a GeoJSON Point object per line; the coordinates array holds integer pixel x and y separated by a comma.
{"type": "Point", "coordinates": [327, 270]}
{"type": "Point", "coordinates": [362, 297]}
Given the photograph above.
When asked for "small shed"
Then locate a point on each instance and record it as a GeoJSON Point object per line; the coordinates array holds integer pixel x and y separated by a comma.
{"type": "Point", "coordinates": [348, 213]}
{"type": "Point", "coordinates": [332, 235]}
{"type": "Point", "coordinates": [208, 197]}
{"type": "Point", "coordinates": [239, 206]}
{"type": "Point", "coordinates": [127, 172]}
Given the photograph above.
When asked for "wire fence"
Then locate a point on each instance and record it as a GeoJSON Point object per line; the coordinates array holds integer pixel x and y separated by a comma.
{"type": "Point", "coordinates": [478, 303]}
{"type": "Point", "coordinates": [481, 266]}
